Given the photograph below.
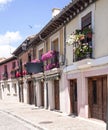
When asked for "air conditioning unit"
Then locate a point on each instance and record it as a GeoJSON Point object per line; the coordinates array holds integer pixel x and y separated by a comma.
{"type": "Point", "coordinates": [61, 59]}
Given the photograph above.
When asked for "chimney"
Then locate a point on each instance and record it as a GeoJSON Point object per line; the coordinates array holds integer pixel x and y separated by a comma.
{"type": "Point", "coordinates": [55, 11]}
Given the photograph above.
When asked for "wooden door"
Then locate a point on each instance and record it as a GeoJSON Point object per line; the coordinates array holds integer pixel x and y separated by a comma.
{"type": "Point", "coordinates": [31, 92]}
{"type": "Point", "coordinates": [73, 97]}
{"type": "Point", "coordinates": [42, 94]}
{"type": "Point", "coordinates": [56, 93]}
{"type": "Point", "coordinates": [97, 91]}
{"type": "Point", "coordinates": [21, 95]}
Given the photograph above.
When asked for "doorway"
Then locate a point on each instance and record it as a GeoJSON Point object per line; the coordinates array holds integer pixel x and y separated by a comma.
{"type": "Point", "coordinates": [97, 97]}
{"type": "Point", "coordinates": [42, 93]}
{"type": "Point", "coordinates": [56, 94]}
{"type": "Point", "coordinates": [30, 92]}
{"type": "Point", "coordinates": [73, 97]}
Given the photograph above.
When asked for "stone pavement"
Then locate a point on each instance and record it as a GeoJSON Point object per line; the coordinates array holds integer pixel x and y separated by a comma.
{"type": "Point", "coordinates": [49, 120]}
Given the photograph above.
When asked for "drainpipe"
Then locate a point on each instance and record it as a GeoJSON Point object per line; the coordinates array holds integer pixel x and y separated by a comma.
{"type": "Point", "coordinates": [107, 106]}
{"type": "Point", "coordinates": [65, 63]}
{"type": "Point", "coordinates": [19, 88]}
{"type": "Point", "coordinates": [43, 40]}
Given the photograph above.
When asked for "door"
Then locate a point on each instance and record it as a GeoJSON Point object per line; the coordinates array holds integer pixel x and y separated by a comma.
{"type": "Point", "coordinates": [97, 99]}
{"type": "Point", "coordinates": [21, 95]}
{"type": "Point", "coordinates": [73, 96]}
{"type": "Point", "coordinates": [42, 94]}
{"type": "Point", "coordinates": [56, 93]}
{"type": "Point", "coordinates": [30, 92]}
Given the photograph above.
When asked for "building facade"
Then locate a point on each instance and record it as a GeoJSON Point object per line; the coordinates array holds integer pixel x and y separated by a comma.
{"type": "Point", "coordinates": [70, 55]}
{"type": "Point", "coordinates": [8, 83]}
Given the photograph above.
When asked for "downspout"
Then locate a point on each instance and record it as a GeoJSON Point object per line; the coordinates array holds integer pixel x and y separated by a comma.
{"type": "Point", "coordinates": [43, 40]}
{"type": "Point", "coordinates": [46, 83]}
{"type": "Point", "coordinates": [65, 62]}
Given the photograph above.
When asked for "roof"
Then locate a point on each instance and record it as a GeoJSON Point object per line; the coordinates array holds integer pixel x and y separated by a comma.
{"type": "Point", "coordinates": [19, 49]}
{"type": "Point", "coordinates": [68, 13]}
{"type": "Point", "coordinates": [7, 60]}
{"type": "Point", "coordinates": [2, 59]}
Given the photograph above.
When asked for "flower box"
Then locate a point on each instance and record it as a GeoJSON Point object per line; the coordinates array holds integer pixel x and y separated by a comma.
{"type": "Point", "coordinates": [51, 66]}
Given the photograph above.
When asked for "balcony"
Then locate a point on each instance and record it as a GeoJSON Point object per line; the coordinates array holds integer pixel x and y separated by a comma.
{"type": "Point", "coordinates": [20, 74]}
{"type": "Point", "coordinates": [5, 76]}
{"type": "Point", "coordinates": [82, 51]}
{"type": "Point", "coordinates": [82, 44]}
{"type": "Point", "coordinates": [13, 73]}
{"type": "Point", "coordinates": [50, 60]}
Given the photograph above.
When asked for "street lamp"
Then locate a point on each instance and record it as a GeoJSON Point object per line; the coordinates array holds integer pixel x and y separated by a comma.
{"type": "Point", "coordinates": [25, 44]}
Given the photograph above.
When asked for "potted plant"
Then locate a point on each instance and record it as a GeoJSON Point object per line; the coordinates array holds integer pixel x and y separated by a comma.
{"type": "Point", "coordinates": [83, 50]}
{"type": "Point", "coordinates": [87, 32]}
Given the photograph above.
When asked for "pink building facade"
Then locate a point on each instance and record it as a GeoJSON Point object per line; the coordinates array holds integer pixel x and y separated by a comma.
{"type": "Point", "coordinates": [8, 82]}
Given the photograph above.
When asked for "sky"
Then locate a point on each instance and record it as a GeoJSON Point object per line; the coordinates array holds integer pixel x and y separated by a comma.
{"type": "Point", "coordinates": [22, 18]}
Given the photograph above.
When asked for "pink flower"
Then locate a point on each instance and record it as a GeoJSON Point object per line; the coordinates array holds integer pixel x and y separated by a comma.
{"type": "Point", "coordinates": [35, 61]}
{"type": "Point", "coordinates": [24, 72]}
{"type": "Point", "coordinates": [50, 54]}
{"type": "Point", "coordinates": [18, 74]}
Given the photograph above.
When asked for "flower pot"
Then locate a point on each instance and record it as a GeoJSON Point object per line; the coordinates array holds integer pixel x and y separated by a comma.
{"type": "Point", "coordinates": [89, 35]}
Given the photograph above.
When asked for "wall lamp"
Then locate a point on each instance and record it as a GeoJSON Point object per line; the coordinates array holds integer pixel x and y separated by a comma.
{"type": "Point", "coordinates": [25, 44]}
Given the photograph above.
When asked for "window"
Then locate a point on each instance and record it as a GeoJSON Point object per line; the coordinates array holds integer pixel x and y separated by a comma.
{"type": "Point", "coordinates": [86, 21]}
{"type": "Point", "coordinates": [20, 65]}
{"type": "Point", "coordinates": [40, 53]}
{"type": "Point", "coordinates": [29, 57]}
{"type": "Point", "coordinates": [5, 68]}
{"type": "Point", "coordinates": [13, 65]}
{"type": "Point", "coordinates": [94, 84]}
{"type": "Point", "coordinates": [54, 45]}
{"type": "Point", "coordinates": [87, 25]}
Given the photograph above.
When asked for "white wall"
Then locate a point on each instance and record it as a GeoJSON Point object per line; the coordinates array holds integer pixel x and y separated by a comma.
{"type": "Point", "coordinates": [76, 24]}
{"type": "Point", "coordinates": [70, 28]}
{"type": "Point", "coordinates": [10, 96]}
{"type": "Point", "coordinates": [101, 28]}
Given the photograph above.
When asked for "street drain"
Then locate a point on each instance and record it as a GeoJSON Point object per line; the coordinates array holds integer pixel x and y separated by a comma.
{"type": "Point", "coordinates": [45, 122]}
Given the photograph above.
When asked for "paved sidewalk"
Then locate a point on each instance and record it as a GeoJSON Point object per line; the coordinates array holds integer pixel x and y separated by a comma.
{"type": "Point", "coordinates": [49, 120]}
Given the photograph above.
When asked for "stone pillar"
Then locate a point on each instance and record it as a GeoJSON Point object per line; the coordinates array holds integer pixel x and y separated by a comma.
{"type": "Point", "coordinates": [46, 102]}
{"type": "Point", "coordinates": [64, 95]}
{"type": "Point", "coordinates": [0, 91]}
{"type": "Point", "coordinates": [3, 90]}
{"type": "Point", "coordinates": [82, 90]}
{"type": "Point", "coordinates": [35, 98]}
{"type": "Point", "coordinates": [25, 90]}
{"type": "Point", "coordinates": [51, 94]}
{"type": "Point", "coordinates": [38, 94]}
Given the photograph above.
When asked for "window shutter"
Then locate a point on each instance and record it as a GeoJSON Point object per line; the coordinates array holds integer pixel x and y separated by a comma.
{"type": "Point", "coordinates": [86, 20]}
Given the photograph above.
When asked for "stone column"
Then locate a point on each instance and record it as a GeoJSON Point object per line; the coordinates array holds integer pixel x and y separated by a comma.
{"type": "Point", "coordinates": [38, 94]}
{"type": "Point", "coordinates": [51, 94]}
{"type": "Point", "coordinates": [82, 89]}
{"type": "Point", "coordinates": [46, 102]}
{"type": "Point", "coordinates": [64, 95]}
{"type": "Point", "coordinates": [25, 90]}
